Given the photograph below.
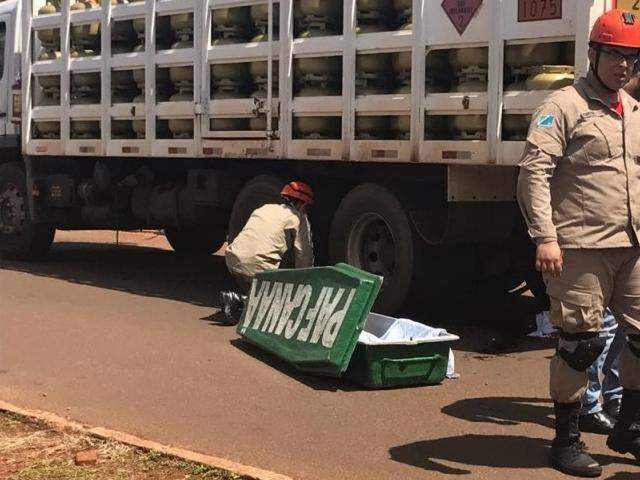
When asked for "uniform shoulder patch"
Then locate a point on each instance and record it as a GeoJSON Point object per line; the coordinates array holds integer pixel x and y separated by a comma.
{"type": "Point", "coordinates": [546, 120]}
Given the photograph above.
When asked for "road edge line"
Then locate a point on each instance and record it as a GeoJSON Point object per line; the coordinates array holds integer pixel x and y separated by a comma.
{"type": "Point", "coordinates": [132, 440]}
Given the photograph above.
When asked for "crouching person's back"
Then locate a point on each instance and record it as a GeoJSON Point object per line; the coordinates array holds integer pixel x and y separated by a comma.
{"type": "Point", "coordinates": [275, 236]}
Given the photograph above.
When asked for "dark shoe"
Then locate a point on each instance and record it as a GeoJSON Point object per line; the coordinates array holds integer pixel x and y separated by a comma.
{"type": "Point", "coordinates": [612, 408]}
{"type": "Point", "coordinates": [625, 441]}
{"type": "Point", "coordinates": [574, 460]}
{"type": "Point", "coordinates": [568, 453]}
{"type": "Point", "coordinates": [626, 434]}
{"type": "Point", "coordinates": [598, 422]}
{"type": "Point", "coordinates": [232, 305]}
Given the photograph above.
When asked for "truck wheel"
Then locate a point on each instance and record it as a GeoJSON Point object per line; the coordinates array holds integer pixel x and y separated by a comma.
{"type": "Point", "coordinates": [257, 192]}
{"type": "Point", "coordinates": [371, 231]}
{"type": "Point", "coordinates": [20, 238]}
{"type": "Point", "coordinates": [199, 241]}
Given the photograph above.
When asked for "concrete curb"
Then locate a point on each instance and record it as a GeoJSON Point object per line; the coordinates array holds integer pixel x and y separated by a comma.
{"type": "Point", "coordinates": [104, 433]}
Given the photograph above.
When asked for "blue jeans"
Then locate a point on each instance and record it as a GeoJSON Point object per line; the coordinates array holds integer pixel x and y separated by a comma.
{"type": "Point", "coordinates": [603, 374]}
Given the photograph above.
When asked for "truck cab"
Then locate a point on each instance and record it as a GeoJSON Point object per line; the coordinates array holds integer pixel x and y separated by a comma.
{"type": "Point", "coordinates": [9, 73]}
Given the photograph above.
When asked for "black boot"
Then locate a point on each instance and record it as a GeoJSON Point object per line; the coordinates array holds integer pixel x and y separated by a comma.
{"type": "Point", "coordinates": [568, 453]}
{"type": "Point", "coordinates": [626, 434]}
{"type": "Point", "coordinates": [232, 305]}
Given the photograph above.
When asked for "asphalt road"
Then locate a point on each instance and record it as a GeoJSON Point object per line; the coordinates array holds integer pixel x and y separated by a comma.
{"type": "Point", "coordinates": [126, 337]}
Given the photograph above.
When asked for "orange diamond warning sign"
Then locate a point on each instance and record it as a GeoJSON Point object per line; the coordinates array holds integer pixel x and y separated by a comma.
{"type": "Point", "coordinates": [460, 12]}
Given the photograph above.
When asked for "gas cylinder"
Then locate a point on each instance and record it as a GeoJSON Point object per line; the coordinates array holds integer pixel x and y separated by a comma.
{"type": "Point", "coordinates": [85, 129]}
{"type": "Point", "coordinates": [181, 78]}
{"type": "Point", "coordinates": [50, 37]}
{"type": "Point", "coordinates": [139, 78]}
{"type": "Point", "coordinates": [259, 77]}
{"type": "Point", "coordinates": [121, 129]}
{"type": "Point", "coordinates": [46, 130]}
{"type": "Point", "coordinates": [229, 124]}
{"type": "Point", "coordinates": [317, 76]}
{"type": "Point", "coordinates": [402, 70]}
{"type": "Point", "coordinates": [374, 15]}
{"type": "Point", "coordinates": [469, 127]}
{"type": "Point", "coordinates": [85, 37]}
{"type": "Point", "coordinates": [373, 74]}
{"type": "Point", "coordinates": [404, 13]}
{"type": "Point", "coordinates": [318, 17]}
{"type": "Point", "coordinates": [541, 77]}
{"type": "Point", "coordinates": [319, 128]}
{"type": "Point", "coordinates": [401, 127]}
{"type": "Point", "coordinates": [50, 6]}
{"type": "Point", "coordinates": [515, 127]}
{"type": "Point", "coordinates": [319, 8]}
{"type": "Point", "coordinates": [50, 89]}
{"type": "Point", "coordinates": [123, 86]}
{"type": "Point", "coordinates": [139, 26]}
{"type": "Point", "coordinates": [139, 127]}
{"type": "Point", "coordinates": [231, 25]}
{"type": "Point", "coordinates": [182, 26]}
{"type": "Point", "coordinates": [230, 80]}
{"type": "Point", "coordinates": [123, 35]}
{"type": "Point", "coordinates": [85, 88]}
{"type": "Point", "coordinates": [438, 76]}
{"type": "Point", "coordinates": [163, 85]}
{"type": "Point", "coordinates": [260, 18]}
{"type": "Point", "coordinates": [49, 83]}
{"type": "Point", "coordinates": [472, 79]}
{"type": "Point", "coordinates": [436, 127]}
{"type": "Point", "coordinates": [550, 77]}
{"type": "Point", "coordinates": [532, 54]}
{"type": "Point", "coordinates": [371, 127]}
{"type": "Point", "coordinates": [469, 57]}
{"type": "Point", "coordinates": [181, 128]}
{"type": "Point", "coordinates": [259, 124]}
{"type": "Point", "coordinates": [568, 50]}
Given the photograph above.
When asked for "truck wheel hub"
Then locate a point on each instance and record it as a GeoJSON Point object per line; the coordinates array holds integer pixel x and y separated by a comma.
{"type": "Point", "coordinates": [12, 210]}
{"type": "Point", "coordinates": [371, 246]}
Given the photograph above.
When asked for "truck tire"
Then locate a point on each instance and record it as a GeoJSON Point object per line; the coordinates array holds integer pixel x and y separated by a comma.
{"type": "Point", "coordinates": [20, 238]}
{"type": "Point", "coordinates": [372, 231]}
{"type": "Point", "coordinates": [196, 241]}
{"type": "Point", "coordinates": [257, 192]}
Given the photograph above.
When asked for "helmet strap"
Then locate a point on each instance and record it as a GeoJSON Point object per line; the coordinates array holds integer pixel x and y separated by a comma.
{"type": "Point", "coordinates": [594, 68]}
{"type": "Point", "coordinates": [292, 202]}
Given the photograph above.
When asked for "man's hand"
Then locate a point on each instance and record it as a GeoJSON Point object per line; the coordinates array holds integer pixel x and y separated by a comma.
{"type": "Point", "coordinates": [549, 258]}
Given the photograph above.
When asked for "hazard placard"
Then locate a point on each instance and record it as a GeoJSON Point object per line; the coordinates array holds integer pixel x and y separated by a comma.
{"type": "Point", "coordinates": [631, 5]}
{"type": "Point", "coordinates": [461, 12]}
{"type": "Point", "coordinates": [537, 10]}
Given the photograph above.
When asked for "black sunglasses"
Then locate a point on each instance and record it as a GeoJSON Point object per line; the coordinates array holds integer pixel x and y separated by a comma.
{"type": "Point", "coordinates": [630, 58]}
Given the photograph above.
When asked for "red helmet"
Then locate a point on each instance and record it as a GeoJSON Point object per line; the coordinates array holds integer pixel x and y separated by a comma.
{"type": "Point", "coordinates": [618, 28]}
{"type": "Point", "coordinates": [298, 190]}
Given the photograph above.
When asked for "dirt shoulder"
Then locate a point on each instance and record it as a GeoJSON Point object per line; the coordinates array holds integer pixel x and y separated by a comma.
{"type": "Point", "coordinates": [35, 450]}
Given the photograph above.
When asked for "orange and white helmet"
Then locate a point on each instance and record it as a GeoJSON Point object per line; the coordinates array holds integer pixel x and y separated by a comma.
{"type": "Point", "coordinates": [298, 190]}
{"type": "Point", "coordinates": [618, 28]}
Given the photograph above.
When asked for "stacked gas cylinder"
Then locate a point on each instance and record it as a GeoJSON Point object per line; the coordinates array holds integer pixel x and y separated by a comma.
{"type": "Point", "coordinates": [376, 74]}
{"type": "Point", "coordinates": [242, 80]}
{"type": "Point", "coordinates": [49, 85]}
{"type": "Point", "coordinates": [537, 66]}
{"type": "Point", "coordinates": [471, 69]}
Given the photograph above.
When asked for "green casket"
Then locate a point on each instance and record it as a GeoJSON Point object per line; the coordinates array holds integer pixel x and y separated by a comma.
{"type": "Point", "coordinates": [310, 317]}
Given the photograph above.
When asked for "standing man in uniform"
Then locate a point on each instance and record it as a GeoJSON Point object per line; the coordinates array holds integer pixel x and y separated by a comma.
{"type": "Point", "coordinates": [579, 190]}
{"type": "Point", "coordinates": [276, 235]}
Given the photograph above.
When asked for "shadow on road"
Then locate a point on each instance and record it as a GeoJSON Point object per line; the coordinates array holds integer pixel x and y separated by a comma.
{"type": "Point", "coordinates": [488, 318]}
{"type": "Point", "coordinates": [133, 269]}
{"type": "Point", "coordinates": [503, 410]}
{"type": "Point", "coordinates": [493, 451]}
{"type": "Point", "coordinates": [314, 382]}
